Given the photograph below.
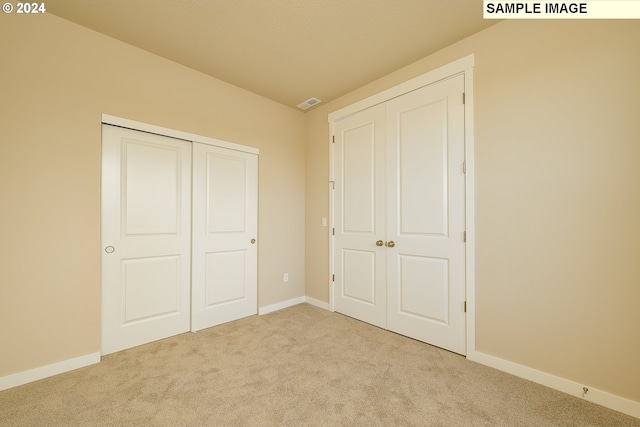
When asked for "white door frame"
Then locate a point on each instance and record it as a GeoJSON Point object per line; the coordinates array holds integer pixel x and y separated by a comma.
{"type": "Point", "coordinates": [463, 66]}
{"type": "Point", "coordinates": [145, 127]}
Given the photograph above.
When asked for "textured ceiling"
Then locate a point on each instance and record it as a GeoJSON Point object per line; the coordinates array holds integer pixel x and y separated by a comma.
{"type": "Point", "coordinates": [285, 50]}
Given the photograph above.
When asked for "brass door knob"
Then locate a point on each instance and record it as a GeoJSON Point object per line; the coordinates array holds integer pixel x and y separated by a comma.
{"type": "Point", "coordinates": [379, 243]}
{"type": "Point", "coordinates": [253, 241]}
{"type": "Point", "coordinates": [391, 244]}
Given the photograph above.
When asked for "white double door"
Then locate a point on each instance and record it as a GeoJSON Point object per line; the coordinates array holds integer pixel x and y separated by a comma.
{"type": "Point", "coordinates": [179, 230]}
{"type": "Point", "coordinates": [399, 215]}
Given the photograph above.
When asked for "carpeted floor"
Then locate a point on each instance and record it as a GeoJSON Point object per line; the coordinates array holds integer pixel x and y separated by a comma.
{"type": "Point", "coordinates": [302, 366]}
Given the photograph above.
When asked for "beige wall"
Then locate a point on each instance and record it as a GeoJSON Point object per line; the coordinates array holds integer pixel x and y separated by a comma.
{"type": "Point", "coordinates": [557, 139]}
{"type": "Point", "coordinates": [56, 80]}
{"type": "Point", "coordinates": [557, 186]}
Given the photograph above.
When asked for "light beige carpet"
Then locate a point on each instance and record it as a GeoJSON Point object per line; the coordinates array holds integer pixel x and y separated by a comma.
{"type": "Point", "coordinates": [302, 366]}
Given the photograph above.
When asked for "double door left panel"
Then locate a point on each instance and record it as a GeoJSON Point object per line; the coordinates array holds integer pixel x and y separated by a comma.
{"type": "Point", "coordinates": [146, 236]}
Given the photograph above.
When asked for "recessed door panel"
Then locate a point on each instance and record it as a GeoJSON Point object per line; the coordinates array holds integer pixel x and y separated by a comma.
{"type": "Point", "coordinates": [359, 275]}
{"type": "Point", "coordinates": [422, 144]}
{"type": "Point", "coordinates": [225, 277]}
{"type": "Point", "coordinates": [423, 285]}
{"type": "Point", "coordinates": [151, 191]}
{"type": "Point", "coordinates": [226, 194]}
{"type": "Point", "coordinates": [359, 179]}
{"type": "Point", "coordinates": [151, 288]}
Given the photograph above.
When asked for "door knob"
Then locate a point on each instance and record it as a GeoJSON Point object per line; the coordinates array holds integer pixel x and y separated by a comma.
{"type": "Point", "coordinates": [379, 243]}
{"type": "Point", "coordinates": [391, 243]}
{"type": "Point", "coordinates": [109, 249]}
{"type": "Point", "coordinates": [253, 241]}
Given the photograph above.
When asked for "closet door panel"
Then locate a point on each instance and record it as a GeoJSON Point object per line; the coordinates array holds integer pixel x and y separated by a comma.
{"type": "Point", "coordinates": [359, 263]}
{"type": "Point", "coordinates": [425, 214]}
{"type": "Point", "coordinates": [422, 170]}
{"type": "Point", "coordinates": [224, 254]}
{"type": "Point", "coordinates": [146, 236]}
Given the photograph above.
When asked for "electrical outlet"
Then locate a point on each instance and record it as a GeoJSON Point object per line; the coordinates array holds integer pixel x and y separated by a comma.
{"type": "Point", "coordinates": [324, 222]}
{"type": "Point", "coordinates": [285, 278]}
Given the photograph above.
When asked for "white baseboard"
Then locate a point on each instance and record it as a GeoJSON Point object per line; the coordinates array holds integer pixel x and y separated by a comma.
{"type": "Point", "coordinates": [603, 398]}
{"type": "Point", "coordinates": [318, 303]}
{"type": "Point", "coordinates": [20, 378]}
{"type": "Point", "coordinates": [290, 303]}
{"type": "Point", "coordinates": [280, 305]}
{"type": "Point", "coordinates": [42, 372]}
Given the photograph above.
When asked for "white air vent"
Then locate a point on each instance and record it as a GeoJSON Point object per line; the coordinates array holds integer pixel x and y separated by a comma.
{"type": "Point", "coordinates": [309, 103]}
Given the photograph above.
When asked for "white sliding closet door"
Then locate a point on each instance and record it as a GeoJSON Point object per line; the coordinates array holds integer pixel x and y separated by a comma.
{"type": "Point", "coordinates": [224, 235]}
{"type": "Point", "coordinates": [179, 234]}
{"type": "Point", "coordinates": [146, 237]}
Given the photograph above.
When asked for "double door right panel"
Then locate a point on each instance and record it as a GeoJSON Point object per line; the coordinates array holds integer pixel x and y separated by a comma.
{"type": "Point", "coordinates": [399, 215]}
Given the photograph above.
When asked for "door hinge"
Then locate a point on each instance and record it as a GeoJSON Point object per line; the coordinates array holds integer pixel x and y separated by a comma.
{"type": "Point", "coordinates": [333, 139]}
{"type": "Point", "coordinates": [333, 277]}
{"type": "Point", "coordinates": [333, 185]}
{"type": "Point", "coordinates": [464, 167]}
{"type": "Point", "coordinates": [465, 306]}
{"type": "Point", "coordinates": [464, 237]}
{"type": "Point", "coordinates": [464, 100]}
{"type": "Point", "coordinates": [333, 231]}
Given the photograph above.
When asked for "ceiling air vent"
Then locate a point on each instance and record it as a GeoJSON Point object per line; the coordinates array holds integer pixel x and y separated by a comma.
{"type": "Point", "coordinates": [309, 103]}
